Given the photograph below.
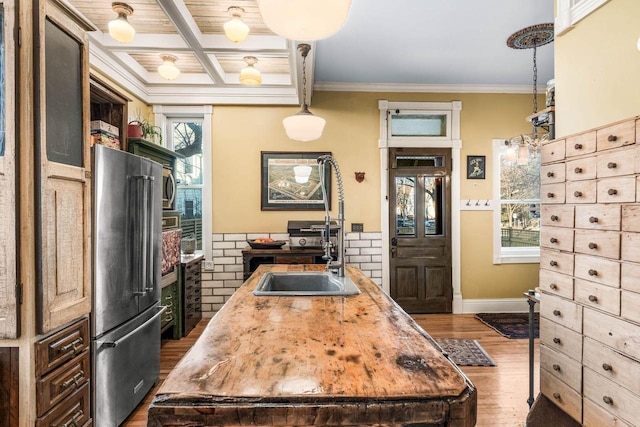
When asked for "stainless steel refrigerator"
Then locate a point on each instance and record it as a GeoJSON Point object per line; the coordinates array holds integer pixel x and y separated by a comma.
{"type": "Point", "coordinates": [125, 327]}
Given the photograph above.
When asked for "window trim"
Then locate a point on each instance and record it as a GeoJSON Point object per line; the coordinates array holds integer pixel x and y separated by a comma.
{"type": "Point", "coordinates": [567, 16]}
{"type": "Point", "coordinates": [163, 116]}
{"type": "Point", "coordinates": [502, 255]}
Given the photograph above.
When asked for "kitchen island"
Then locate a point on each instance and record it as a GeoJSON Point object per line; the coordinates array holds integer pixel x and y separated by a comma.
{"type": "Point", "coordinates": [323, 360]}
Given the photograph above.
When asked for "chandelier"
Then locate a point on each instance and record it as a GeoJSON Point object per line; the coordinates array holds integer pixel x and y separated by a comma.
{"type": "Point", "coordinates": [521, 147]}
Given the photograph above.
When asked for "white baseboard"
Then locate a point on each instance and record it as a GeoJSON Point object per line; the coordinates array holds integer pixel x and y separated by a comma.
{"type": "Point", "coordinates": [503, 305]}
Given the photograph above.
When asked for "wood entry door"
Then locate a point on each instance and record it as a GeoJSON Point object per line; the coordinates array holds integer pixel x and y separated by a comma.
{"type": "Point", "coordinates": [420, 229]}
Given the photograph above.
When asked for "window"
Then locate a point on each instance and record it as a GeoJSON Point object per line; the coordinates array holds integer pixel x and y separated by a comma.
{"type": "Point", "coordinates": [419, 124]}
{"type": "Point", "coordinates": [517, 213]}
{"type": "Point", "coordinates": [570, 12]}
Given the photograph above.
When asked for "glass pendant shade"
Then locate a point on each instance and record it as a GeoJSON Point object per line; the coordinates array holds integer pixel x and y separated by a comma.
{"type": "Point", "coordinates": [168, 69]}
{"type": "Point", "coordinates": [510, 155]}
{"type": "Point", "coordinates": [302, 174]}
{"type": "Point", "coordinates": [523, 155]}
{"type": "Point", "coordinates": [250, 75]}
{"type": "Point", "coordinates": [304, 126]}
{"type": "Point", "coordinates": [304, 19]}
{"type": "Point", "coordinates": [119, 28]}
{"type": "Point", "coordinates": [236, 30]}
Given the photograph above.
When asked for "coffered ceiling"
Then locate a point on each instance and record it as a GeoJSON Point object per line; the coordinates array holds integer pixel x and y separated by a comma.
{"type": "Point", "coordinates": [385, 45]}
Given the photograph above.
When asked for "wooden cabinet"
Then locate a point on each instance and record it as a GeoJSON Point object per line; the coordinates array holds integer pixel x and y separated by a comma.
{"type": "Point", "coordinates": [191, 291]}
{"type": "Point", "coordinates": [63, 375]}
{"type": "Point", "coordinates": [111, 109]}
{"type": "Point", "coordinates": [252, 258]}
{"type": "Point", "coordinates": [9, 361]}
{"type": "Point", "coordinates": [589, 354]}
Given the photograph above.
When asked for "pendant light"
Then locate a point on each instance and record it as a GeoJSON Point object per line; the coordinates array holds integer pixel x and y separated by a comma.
{"type": "Point", "coordinates": [119, 28]}
{"type": "Point", "coordinates": [250, 75]}
{"type": "Point", "coordinates": [304, 126]}
{"type": "Point", "coordinates": [304, 19]}
{"type": "Point", "coordinates": [168, 69]}
{"type": "Point", "coordinates": [236, 30]}
{"type": "Point", "coordinates": [530, 38]}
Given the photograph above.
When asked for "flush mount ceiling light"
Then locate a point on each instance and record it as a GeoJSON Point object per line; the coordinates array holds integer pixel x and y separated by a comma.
{"type": "Point", "coordinates": [119, 28]}
{"type": "Point", "coordinates": [304, 19]}
{"type": "Point", "coordinates": [304, 126]}
{"type": "Point", "coordinates": [235, 29]}
{"type": "Point", "coordinates": [250, 75]}
{"type": "Point", "coordinates": [168, 69]}
{"type": "Point", "coordinates": [527, 145]}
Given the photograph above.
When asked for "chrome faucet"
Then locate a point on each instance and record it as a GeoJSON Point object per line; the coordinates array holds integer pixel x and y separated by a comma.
{"type": "Point", "coordinates": [337, 264]}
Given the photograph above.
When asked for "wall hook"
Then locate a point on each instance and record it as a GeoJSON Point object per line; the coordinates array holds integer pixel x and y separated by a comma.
{"type": "Point", "coordinates": [468, 202]}
{"type": "Point", "coordinates": [478, 203]}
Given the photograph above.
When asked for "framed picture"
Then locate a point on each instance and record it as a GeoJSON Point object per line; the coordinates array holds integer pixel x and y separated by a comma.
{"type": "Point", "coordinates": [284, 189]}
{"type": "Point", "coordinates": [476, 167]}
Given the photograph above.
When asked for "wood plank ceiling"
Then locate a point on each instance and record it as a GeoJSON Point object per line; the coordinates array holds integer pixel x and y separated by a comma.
{"type": "Point", "coordinates": [210, 64]}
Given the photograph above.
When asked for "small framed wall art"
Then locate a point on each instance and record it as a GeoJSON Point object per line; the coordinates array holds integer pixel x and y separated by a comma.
{"type": "Point", "coordinates": [476, 167]}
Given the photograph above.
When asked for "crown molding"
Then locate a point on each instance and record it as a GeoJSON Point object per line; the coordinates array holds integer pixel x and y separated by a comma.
{"type": "Point", "coordinates": [423, 88]}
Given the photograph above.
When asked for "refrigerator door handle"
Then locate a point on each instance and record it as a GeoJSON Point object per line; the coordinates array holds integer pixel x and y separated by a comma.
{"type": "Point", "coordinates": [140, 233]}
{"type": "Point", "coordinates": [119, 341]}
{"type": "Point", "coordinates": [149, 240]}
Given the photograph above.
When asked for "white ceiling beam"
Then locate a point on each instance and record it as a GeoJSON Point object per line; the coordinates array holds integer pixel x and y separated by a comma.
{"type": "Point", "coordinates": [220, 42]}
{"type": "Point", "coordinates": [141, 42]}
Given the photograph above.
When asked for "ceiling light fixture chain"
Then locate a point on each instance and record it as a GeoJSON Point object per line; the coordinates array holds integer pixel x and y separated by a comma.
{"type": "Point", "coordinates": [304, 51]}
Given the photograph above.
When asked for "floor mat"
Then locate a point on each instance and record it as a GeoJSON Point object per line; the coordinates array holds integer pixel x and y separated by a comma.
{"type": "Point", "coordinates": [511, 325]}
{"type": "Point", "coordinates": [465, 352]}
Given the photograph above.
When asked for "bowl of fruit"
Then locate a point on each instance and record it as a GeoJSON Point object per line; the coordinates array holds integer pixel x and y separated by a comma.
{"type": "Point", "coordinates": [266, 243]}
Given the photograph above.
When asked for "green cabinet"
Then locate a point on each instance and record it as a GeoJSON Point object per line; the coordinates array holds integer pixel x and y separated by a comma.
{"type": "Point", "coordinates": [170, 317]}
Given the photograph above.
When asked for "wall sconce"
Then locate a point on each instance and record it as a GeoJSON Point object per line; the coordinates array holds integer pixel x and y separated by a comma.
{"type": "Point", "coordinates": [168, 69]}
{"type": "Point", "coordinates": [359, 176]}
{"type": "Point", "coordinates": [302, 173]}
{"type": "Point", "coordinates": [236, 30]}
{"type": "Point", "coordinates": [119, 28]}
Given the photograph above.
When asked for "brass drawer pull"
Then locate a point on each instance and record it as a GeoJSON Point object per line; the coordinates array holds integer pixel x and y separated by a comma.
{"type": "Point", "coordinates": [553, 286]}
{"type": "Point", "coordinates": [607, 400]}
{"type": "Point", "coordinates": [553, 240]}
{"type": "Point", "coordinates": [551, 195]}
{"type": "Point", "coordinates": [556, 367]}
{"type": "Point", "coordinates": [593, 219]}
{"type": "Point", "coordinates": [550, 174]}
{"type": "Point", "coordinates": [612, 165]}
{"type": "Point", "coordinates": [593, 298]}
{"type": "Point", "coordinates": [553, 263]}
{"type": "Point", "coordinates": [612, 191]}
{"type": "Point", "coordinates": [74, 420]}
{"type": "Point", "coordinates": [593, 272]}
{"type": "Point", "coordinates": [169, 296]}
{"type": "Point", "coordinates": [578, 146]}
{"type": "Point", "coordinates": [607, 367]}
{"type": "Point", "coordinates": [554, 218]}
{"type": "Point", "coordinates": [169, 304]}
{"type": "Point", "coordinates": [612, 138]}
{"type": "Point", "coordinates": [72, 346]}
{"type": "Point", "coordinates": [73, 380]}
{"type": "Point", "coordinates": [556, 396]}
{"type": "Point", "coordinates": [557, 313]}
{"type": "Point", "coordinates": [593, 245]}
{"type": "Point", "coordinates": [577, 193]}
{"type": "Point", "coordinates": [557, 340]}
{"type": "Point", "coordinates": [578, 170]}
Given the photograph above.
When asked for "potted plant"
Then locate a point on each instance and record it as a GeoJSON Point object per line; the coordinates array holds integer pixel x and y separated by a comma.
{"type": "Point", "coordinates": [142, 128]}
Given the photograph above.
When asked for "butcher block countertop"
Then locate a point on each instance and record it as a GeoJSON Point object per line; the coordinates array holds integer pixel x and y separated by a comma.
{"type": "Point", "coordinates": [325, 360]}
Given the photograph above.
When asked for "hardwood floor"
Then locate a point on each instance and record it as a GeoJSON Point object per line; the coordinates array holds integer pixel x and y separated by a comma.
{"type": "Point", "coordinates": [502, 390]}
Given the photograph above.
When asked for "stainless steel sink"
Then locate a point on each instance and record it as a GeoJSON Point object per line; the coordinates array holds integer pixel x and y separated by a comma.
{"type": "Point", "coordinates": [304, 283]}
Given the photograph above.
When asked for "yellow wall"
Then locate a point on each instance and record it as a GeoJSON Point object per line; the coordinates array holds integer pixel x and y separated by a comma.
{"type": "Point", "coordinates": [597, 71]}
{"type": "Point", "coordinates": [351, 134]}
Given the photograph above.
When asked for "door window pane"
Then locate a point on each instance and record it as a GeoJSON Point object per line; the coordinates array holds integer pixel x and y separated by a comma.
{"type": "Point", "coordinates": [405, 206]}
{"type": "Point", "coordinates": [420, 161]}
{"type": "Point", "coordinates": [433, 205]}
{"type": "Point", "coordinates": [418, 124]}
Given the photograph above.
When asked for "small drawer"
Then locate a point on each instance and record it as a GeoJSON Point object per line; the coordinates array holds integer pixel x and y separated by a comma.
{"type": "Point", "coordinates": [631, 218]}
{"type": "Point", "coordinates": [608, 395]}
{"type": "Point", "coordinates": [598, 243]}
{"type": "Point", "coordinates": [62, 382]}
{"type": "Point", "coordinates": [561, 339]}
{"type": "Point", "coordinates": [552, 193]}
{"type": "Point", "coordinates": [556, 283]}
{"type": "Point", "coordinates": [598, 296]}
{"type": "Point", "coordinates": [74, 410]}
{"type": "Point", "coordinates": [616, 163]}
{"type": "Point", "coordinates": [581, 169]}
{"type": "Point", "coordinates": [559, 262]}
{"type": "Point", "coordinates": [630, 247]}
{"type": "Point", "coordinates": [557, 238]}
{"type": "Point", "coordinates": [557, 216]}
{"type": "Point", "coordinates": [595, 416]}
{"type": "Point", "coordinates": [599, 270]}
{"type": "Point", "coordinates": [562, 311]}
{"type": "Point", "coordinates": [612, 365]}
{"type": "Point", "coordinates": [569, 400]}
{"type": "Point", "coordinates": [583, 143]}
{"type": "Point", "coordinates": [629, 306]}
{"type": "Point", "coordinates": [617, 190]}
{"type": "Point", "coordinates": [616, 135]}
{"type": "Point", "coordinates": [581, 192]}
{"type": "Point", "coordinates": [617, 333]}
{"type": "Point", "coordinates": [598, 217]}
{"type": "Point", "coordinates": [553, 173]}
{"type": "Point", "coordinates": [630, 277]}
{"type": "Point", "coordinates": [552, 151]}
{"type": "Point", "coordinates": [564, 368]}
{"type": "Point", "coordinates": [61, 346]}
